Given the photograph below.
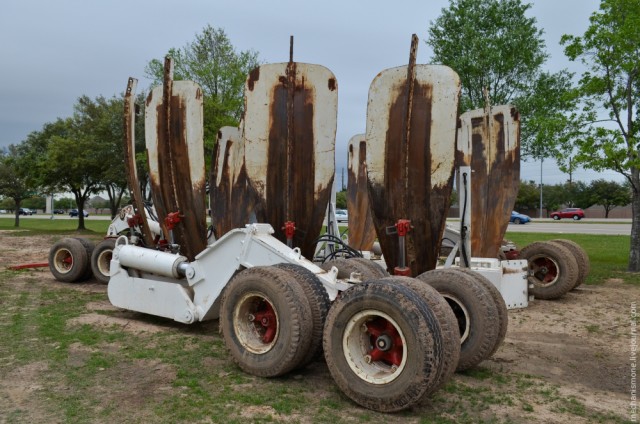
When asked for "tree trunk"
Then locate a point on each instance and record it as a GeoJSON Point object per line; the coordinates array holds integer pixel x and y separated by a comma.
{"type": "Point", "coordinates": [80, 202]}
{"type": "Point", "coordinates": [16, 222]}
{"type": "Point", "coordinates": [634, 250]}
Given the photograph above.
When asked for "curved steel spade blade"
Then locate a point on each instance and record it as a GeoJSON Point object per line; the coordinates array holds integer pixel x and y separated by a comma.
{"type": "Point", "coordinates": [489, 143]}
{"type": "Point", "coordinates": [411, 135]}
{"type": "Point", "coordinates": [362, 232]}
{"type": "Point", "coordinates": [174, 140]}
{"type": "Point", "coordinates": [289, 132]}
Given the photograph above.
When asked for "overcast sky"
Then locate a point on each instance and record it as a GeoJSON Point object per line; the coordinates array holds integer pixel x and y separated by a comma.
{"type": "Point", "coordinates": [52, 52]}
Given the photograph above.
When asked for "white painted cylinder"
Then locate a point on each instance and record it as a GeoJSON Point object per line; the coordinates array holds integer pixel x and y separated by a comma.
{"type": "Point", "coordinates": [149, 260]}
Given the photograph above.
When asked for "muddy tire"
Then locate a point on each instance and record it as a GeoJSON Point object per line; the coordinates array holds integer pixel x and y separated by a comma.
{"type": "Point", "coordinates": [383, 345]}
{"type": "Point", "coordinates": [318, 302]}
{"type": "Point", "coordinates": [584, 265]}
{"type": "Point", "coordinates": [475, 311]}
{"type": "Point", "coordinates": [503, 313]}
{"type": "Point", "coordinates": [68, 260]}
{"type": "Point", "coordinates": [101, 259]}
{"type": "Point", "coordinates": [88, 246]}
{"type": "Point", "coordinates": [448, 326]}
{"type": "Point", "coordinates": [265, 319]}
{"type": "Point", "coordinates": [553, 270]}
{"type": "Point", "coordinates": [368, 269]}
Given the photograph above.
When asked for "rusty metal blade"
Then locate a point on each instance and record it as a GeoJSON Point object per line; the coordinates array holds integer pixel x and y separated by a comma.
{"type": "Point", "coordinates": [130, 158]}
{"type": "Point", "coordinates": [362, 232]}
{"type": "Point", "coordinates": [233, 199]}
{"type": "Point", "coordinates": [290, 145]}
{"type": "Point", "coordinates": [489, 142]}
{"type": "Point", "coordinates": [413, 179]}
{"type": "Point", "coordinates": [174, 139]}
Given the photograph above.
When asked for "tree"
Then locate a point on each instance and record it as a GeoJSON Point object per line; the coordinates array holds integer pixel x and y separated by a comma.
{"type": "Point", "coordinates": [610, 49]}
{"type": "Point", "coordinates": [14, 183]}
{"type": "Point", "coordinates": [492, 45]}
{"type": "Point", "coordinates": [213, 62]}
{"type": "Point", "coordinates": [609, 194]}
{"type": "Point", "coordinates": [528, 196]}
{"type": "Point", "coordinates": [341, 199]}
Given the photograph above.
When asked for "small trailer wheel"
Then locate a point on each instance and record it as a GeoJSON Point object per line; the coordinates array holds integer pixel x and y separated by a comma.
{"type": "Point", "coordinates": [88, 246]}
{"type": "Point", "coordinates": [553, 270]}
{"type": "Point", "coordinates": [584, 266]}
{"type": "Point", "coordinates": [265, 319]}
{"type": "Point", "coordinates": [101, 259]}
{"type": "Point", "coordinates": [475, 311]}
{"type": "Point", "coordinates": [503, 314]}
{"type": "Point", "coordinates": [383, 345]}
{"type": "Point", "coordinates": [448, 326]}
{"type": "Point", "coordinates": [319, 303]}
{"type": "Point", "coordinates": [68, 260]}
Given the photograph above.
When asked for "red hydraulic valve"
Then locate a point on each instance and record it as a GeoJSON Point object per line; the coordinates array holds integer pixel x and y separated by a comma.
{"type": "Point", "coordinates": [172, 220]}
{"type": "Point", "coordinates": [403, 226]}
{"type": "Point", "coordinates": [289, 231]}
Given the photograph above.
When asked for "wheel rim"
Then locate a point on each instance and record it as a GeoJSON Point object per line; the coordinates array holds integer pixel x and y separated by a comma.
{"type": "Point", "coordinates": [255, 322]}
{"type": "Point", "coordinates": [544, 271]}
{"type": "Point", "coordinates": [576, 217]}
{"type": "Point", "coordinates": [516, 221]}
{"type": "Point", "coordinates": [374, 347]}
{"type": "Point", "coordinates": [556, 217]}
{"type": "Point", "coordinates": [63, 261]}
{"type": "Point", "coordinates": [104, 261]}
{"type": "Point", "coordinates": [462, 316]}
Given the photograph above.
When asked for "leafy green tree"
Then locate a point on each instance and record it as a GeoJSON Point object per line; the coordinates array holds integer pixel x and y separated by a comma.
{"type": "Point", "coordinates": [35, 202]}
{"type": "Point", "coordinates": [14, 181]}
{"type": "Point", "coordinates": [609, 194]}
{"type": "Point", "coordinates": [341, 200]}
{"type": "Point", "coordinates": [492, 45]}
{"type": "Point", "coordinates": [554, 196]}
{"type": "Point", "coordinates": [213, 62]}
{"type": "Point", "coordinates": [528, 196]}
{"type": "Point", "coordinates": [607, 122]}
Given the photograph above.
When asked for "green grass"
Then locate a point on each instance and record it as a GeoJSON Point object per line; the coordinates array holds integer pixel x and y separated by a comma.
{"type": "Point", "coordinates": [608, 254]}
{"type": "Point", "coordinates": [36, 226]}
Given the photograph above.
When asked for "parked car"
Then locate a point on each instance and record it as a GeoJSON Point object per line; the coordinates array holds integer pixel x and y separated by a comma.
{"type": "Point", "coordinates": [575, 213]}
{"type": "Point", "coordinates": [518, 218]}
{"type": "Point", "coordinates": [25, 211]}
{"type": "Point", "coordinates": [3, 211]}
{"type": "Point", "coordinates": [58, 211]}
{"type": "Point", "coordinates": [74, 212]}
{"type": "Point", "coordinates": [342, 215]}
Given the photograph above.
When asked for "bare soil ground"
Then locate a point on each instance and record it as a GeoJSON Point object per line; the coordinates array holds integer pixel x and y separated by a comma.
{"type": "Point", "coordinates": [564, 361]}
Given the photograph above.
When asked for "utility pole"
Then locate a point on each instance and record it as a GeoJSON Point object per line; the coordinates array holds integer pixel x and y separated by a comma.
{"type": "Point", "coordinates": [541, 162]}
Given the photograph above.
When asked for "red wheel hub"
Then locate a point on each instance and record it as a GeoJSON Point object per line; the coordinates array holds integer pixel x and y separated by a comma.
{"type": "Point", "coordinates": [386, 342]}
{"type": "Point", "coordinates": [545, 270]}
{"type": "Point", "coordinates": [265, 318]}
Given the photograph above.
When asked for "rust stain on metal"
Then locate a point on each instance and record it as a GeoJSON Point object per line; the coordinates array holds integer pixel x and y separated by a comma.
{"type": "Point", "coordinates": [233, 199]}
{"type": "Point", "coordinates": [130, 158]}
{"type": "Point", "coordinates": [254, 76]}
{"type": "Point", "coordinates": [495, 163]}
{"type": "Point", "coordinates": [332, 84]}
{"type": "Point", "coordinates": [362, 232]}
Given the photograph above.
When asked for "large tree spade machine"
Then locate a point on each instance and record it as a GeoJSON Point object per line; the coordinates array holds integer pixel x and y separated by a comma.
{"type": "Point", "coordinates": [388, 341]}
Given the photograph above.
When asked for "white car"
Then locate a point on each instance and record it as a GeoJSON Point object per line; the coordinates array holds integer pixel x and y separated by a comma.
{"type": "Point", "coordinates": [342, 215]}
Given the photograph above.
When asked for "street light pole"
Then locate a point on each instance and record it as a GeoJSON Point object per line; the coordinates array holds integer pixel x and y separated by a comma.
{"type": "Point", "coordinates": [541, 162]}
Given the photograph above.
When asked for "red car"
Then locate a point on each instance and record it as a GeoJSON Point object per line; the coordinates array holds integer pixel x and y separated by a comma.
{"type": "Point", "coordinates": [575, 213]}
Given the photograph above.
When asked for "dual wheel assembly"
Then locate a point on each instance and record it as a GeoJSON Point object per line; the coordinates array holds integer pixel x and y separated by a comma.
{"type": "Point", "coordinates": [77, 259]}
{"type": "Point", "coordinates": [555, 267]}
{"type": "Point", "coordinates": [388, 342]}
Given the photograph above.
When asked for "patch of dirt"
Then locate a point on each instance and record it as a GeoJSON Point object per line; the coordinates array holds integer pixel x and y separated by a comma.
{"type": "Point", "coordinates": [557, 355]}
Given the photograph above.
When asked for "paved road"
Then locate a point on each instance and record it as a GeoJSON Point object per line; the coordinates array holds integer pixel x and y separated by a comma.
{"type": "Point", "coordinates": [618, 227]}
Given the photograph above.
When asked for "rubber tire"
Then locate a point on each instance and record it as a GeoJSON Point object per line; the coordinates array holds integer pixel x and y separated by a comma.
{"type": "Point", "coordinates": [70, 248]}
{"type": "Point", "coordinates": [423, 342]}
{"type": "Point", "coordinates": [517, 221]}
{"type": "Point", "coordinates": [319, 303]}
{"type": "Point", "coordinates": [448, 326]}
{"type": "Point", "coordinates": [101, 253]}
{"type": "Point", "coordinates": [556, 217]}
{"type": "Point", "coordinates": [582, 259]}
{"type": "Point", "coordinates": [576, 217]}
{"type": "Point", "coordinates": [88, 246]}
{"type": "Point", "coordinates": [368, 269]}
{"type": "Point", "coordinates": [567, 269]}
{"type": "Point", "coordinates": [293, 339]}
{"type": "Point", "coordinates": [503, 313]}
{"type": "Point", "coordinates": [482, 313]}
